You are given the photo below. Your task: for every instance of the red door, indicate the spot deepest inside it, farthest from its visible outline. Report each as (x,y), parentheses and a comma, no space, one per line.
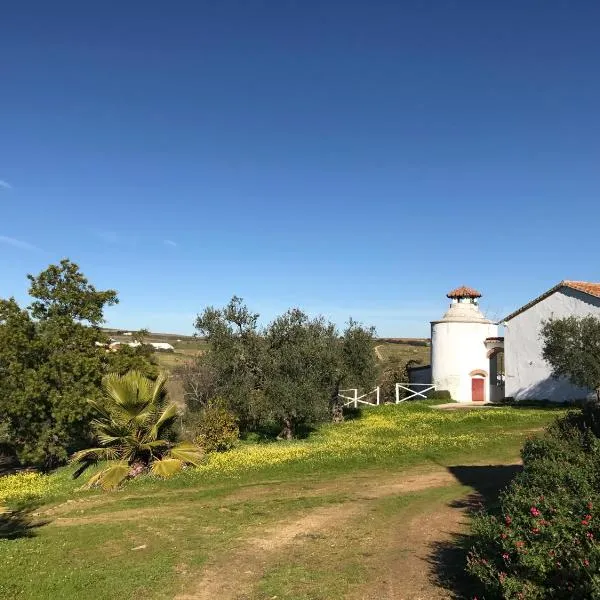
(477,389)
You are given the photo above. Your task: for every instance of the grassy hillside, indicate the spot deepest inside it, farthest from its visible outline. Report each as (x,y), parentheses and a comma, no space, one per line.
(401,351)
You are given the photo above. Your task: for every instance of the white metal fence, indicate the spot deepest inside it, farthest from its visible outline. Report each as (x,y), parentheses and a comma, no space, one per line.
(373,397)
(414,393)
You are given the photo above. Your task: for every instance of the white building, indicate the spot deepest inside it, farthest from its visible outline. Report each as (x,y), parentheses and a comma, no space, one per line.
(470,361)
(528,375)
(164,346)
(465,349)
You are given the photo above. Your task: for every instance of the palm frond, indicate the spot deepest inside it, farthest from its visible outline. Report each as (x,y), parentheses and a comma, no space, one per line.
(131,392)
(111,477)
(188,453)
(158,391)
(92,455)
(166,467)
(166,418)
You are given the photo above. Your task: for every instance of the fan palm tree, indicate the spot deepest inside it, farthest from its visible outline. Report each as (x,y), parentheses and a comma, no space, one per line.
(134,427)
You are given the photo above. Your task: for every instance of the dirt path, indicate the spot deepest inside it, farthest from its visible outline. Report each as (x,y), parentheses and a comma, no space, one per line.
(233,575)
(404,571)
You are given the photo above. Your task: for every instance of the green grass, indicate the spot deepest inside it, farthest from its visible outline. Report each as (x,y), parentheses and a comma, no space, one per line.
(86,549)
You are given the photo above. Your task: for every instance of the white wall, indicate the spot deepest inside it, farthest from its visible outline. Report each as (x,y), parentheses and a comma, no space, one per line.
(457,349)
(528,375)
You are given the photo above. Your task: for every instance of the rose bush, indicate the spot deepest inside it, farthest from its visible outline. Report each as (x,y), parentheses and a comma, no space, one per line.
(542,540)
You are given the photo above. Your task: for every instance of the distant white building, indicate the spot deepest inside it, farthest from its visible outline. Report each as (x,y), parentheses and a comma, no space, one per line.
(528,375)
(162,346)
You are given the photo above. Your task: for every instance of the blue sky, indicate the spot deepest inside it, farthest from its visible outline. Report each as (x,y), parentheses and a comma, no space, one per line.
(349,158)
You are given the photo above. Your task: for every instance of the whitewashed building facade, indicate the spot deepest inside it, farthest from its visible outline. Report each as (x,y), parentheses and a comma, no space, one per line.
(528,376)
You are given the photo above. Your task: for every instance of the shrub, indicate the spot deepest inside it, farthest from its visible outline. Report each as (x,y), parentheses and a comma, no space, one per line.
(543,538)
(440,395)
(216,429)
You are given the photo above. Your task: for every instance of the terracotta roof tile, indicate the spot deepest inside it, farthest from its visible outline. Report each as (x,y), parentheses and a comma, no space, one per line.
(463,292)
(593,289)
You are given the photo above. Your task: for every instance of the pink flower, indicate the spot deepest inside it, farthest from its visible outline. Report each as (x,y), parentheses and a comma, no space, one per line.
(586,562)
(590,506)
(589,535)
(505,556)
(534,511)
(535,530)
(507,520)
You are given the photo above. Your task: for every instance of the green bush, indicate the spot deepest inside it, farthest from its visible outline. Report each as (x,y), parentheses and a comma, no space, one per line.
(543,538)
(216,428)
(440,395)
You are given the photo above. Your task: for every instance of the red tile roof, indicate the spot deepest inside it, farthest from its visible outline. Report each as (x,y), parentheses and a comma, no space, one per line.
(593,289)
(463,292)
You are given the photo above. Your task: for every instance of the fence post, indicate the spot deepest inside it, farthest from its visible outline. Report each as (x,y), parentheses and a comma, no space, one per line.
(397,394)
(355,397)
(377,395)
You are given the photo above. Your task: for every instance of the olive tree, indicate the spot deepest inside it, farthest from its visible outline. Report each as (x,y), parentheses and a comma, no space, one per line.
(571,346)
(288,372)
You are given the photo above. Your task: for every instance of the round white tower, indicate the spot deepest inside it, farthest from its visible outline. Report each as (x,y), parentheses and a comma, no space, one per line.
(459,357)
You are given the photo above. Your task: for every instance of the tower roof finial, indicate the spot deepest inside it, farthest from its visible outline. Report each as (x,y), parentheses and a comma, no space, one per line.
(463,292)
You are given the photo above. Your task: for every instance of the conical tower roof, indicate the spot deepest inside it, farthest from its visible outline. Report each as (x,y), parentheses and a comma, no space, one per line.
(463,292)
(463,312)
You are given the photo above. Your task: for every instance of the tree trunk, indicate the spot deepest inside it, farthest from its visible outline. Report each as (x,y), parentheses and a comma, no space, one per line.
(287,433)
(337,413)
(337,410)
(598,395)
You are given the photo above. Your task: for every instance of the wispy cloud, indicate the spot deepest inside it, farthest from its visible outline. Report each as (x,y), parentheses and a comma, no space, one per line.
(4,239)
(170,243)
(5,185)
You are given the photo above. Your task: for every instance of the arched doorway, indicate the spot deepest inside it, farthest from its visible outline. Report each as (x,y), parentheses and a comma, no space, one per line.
(496,357)
(478,385)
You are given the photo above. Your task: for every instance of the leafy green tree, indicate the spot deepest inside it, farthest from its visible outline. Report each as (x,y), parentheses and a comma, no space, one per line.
(302,370)
(50,364)
(134,426)
(126,358)
(288,373)
(62,291)
(571,346)
(22,390)
(236,354)
(68,311)
(358,363)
